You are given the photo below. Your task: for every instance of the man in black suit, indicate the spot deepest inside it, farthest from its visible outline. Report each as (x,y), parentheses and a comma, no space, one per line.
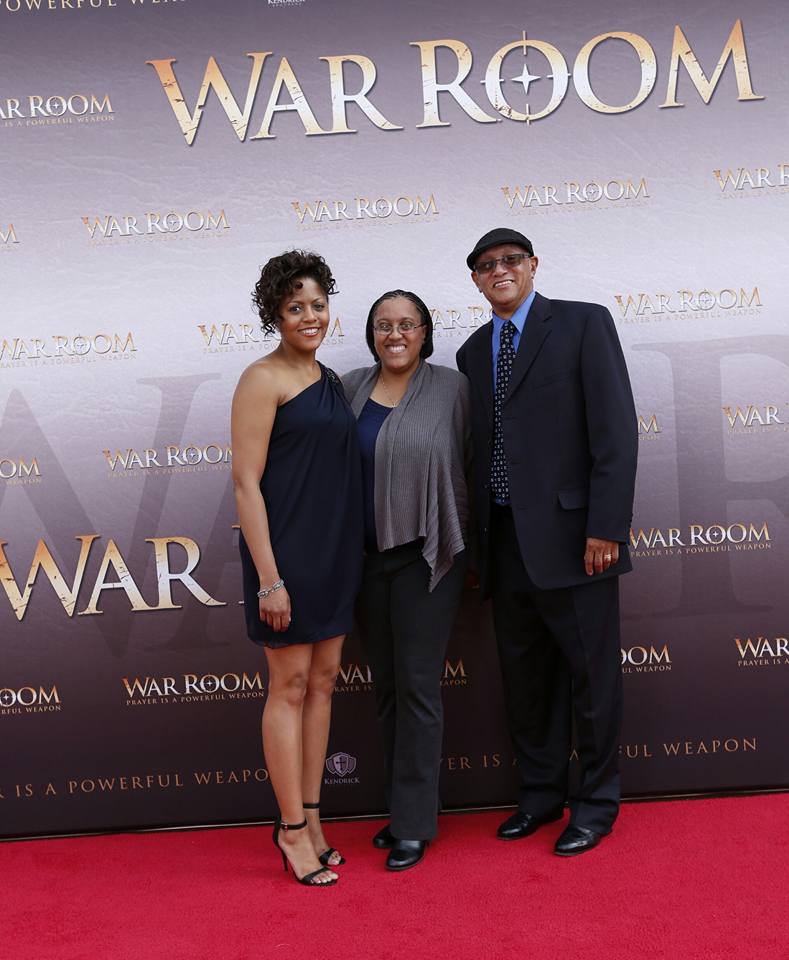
(555,444)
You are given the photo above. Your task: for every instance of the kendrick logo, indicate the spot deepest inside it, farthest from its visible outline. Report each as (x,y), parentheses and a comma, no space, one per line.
(192,458)
(16,470)
(341,764)
(61,349)
(156,225)
(235,337)
(762,651)
(43,111)
(688,304)
(16,700)
(603,193)
(364,208)
(696,538)
(458,322)
(192,688)
(752,181)
(516,102)
(646,660)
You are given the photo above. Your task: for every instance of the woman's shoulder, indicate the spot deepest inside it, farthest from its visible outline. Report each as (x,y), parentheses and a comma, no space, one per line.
(447,376)
(353,379)
(261,374)
(263,385)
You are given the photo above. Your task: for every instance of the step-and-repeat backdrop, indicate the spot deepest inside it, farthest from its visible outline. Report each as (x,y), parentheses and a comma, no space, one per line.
(156,153)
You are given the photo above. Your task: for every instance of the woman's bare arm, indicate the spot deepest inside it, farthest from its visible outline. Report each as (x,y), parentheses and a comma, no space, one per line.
(254,408)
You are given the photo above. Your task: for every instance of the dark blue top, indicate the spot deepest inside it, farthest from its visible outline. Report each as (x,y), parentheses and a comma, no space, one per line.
(312,487)
(369,423)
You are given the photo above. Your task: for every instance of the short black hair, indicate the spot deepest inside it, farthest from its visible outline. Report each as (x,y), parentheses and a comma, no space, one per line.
(424,315)
(280,276)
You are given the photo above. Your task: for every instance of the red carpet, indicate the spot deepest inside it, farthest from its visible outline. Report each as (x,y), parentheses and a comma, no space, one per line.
(678,880)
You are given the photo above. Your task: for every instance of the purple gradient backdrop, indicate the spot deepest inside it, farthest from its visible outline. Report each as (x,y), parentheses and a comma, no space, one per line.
(711,721)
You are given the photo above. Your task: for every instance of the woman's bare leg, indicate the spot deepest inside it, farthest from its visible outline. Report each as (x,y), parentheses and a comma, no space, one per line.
(283,725)
(316,717)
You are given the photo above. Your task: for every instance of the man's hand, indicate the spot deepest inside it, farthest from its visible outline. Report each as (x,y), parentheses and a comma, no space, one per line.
(600,555)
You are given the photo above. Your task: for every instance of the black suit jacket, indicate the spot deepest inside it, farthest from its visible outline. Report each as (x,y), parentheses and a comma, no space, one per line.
(570,435)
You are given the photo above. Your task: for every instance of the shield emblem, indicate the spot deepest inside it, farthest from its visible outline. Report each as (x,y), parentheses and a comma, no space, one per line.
(341,764)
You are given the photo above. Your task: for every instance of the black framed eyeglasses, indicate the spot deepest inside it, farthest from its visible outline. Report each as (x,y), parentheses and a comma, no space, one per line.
(383,329)
(511,260)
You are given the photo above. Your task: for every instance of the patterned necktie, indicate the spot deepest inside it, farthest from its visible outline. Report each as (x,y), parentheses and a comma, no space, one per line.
(499,481)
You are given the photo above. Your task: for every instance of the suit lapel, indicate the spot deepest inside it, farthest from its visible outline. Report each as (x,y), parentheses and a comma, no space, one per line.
(538,326)
(480,367)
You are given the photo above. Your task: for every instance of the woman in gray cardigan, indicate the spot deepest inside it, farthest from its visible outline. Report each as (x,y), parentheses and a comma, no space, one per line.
(413,421)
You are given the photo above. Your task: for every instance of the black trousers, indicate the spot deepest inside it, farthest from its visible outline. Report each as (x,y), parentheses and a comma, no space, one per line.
(560,659)
(405,630)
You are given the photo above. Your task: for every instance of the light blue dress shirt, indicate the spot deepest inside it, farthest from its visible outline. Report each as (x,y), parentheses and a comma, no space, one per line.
(519,319)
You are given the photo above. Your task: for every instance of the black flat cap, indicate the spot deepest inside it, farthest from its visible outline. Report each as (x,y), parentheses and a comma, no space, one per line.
(495,238)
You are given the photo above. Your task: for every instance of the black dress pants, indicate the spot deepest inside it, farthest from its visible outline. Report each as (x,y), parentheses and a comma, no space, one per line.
(560,658)
(404,631)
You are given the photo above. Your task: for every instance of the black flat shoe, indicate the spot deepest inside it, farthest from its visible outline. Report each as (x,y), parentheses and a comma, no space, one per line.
(383,840)
(521,824)
(575,840)
(405,854)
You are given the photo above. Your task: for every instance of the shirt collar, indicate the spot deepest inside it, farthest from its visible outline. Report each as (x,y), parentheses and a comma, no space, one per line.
(519,317)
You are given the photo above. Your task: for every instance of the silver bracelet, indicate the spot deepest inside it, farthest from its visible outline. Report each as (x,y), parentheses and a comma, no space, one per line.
(269,590)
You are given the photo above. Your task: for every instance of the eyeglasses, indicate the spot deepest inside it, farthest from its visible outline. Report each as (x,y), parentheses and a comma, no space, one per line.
(511,260)
(406,326)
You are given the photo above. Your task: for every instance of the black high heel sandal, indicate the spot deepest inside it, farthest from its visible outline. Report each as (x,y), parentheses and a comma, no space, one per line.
(325,857)
(309,879)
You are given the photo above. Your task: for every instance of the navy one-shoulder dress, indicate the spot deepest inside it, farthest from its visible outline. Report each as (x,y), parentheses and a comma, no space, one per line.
(312,487)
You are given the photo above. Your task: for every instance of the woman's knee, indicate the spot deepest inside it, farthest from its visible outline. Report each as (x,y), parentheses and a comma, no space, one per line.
(322,680)
(290,688)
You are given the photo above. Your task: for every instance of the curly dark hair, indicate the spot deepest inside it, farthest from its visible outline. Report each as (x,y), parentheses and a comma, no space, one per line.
(424,316)
(280,276)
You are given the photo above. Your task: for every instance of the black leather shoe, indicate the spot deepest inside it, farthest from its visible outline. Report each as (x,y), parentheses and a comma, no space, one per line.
(405,854)
(521,824)
(383,839)
(575,840)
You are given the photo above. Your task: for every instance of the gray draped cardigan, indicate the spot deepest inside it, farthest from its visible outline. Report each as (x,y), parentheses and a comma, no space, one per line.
(422,455)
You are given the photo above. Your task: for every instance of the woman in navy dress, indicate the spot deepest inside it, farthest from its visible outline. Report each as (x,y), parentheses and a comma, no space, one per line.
(297,477)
